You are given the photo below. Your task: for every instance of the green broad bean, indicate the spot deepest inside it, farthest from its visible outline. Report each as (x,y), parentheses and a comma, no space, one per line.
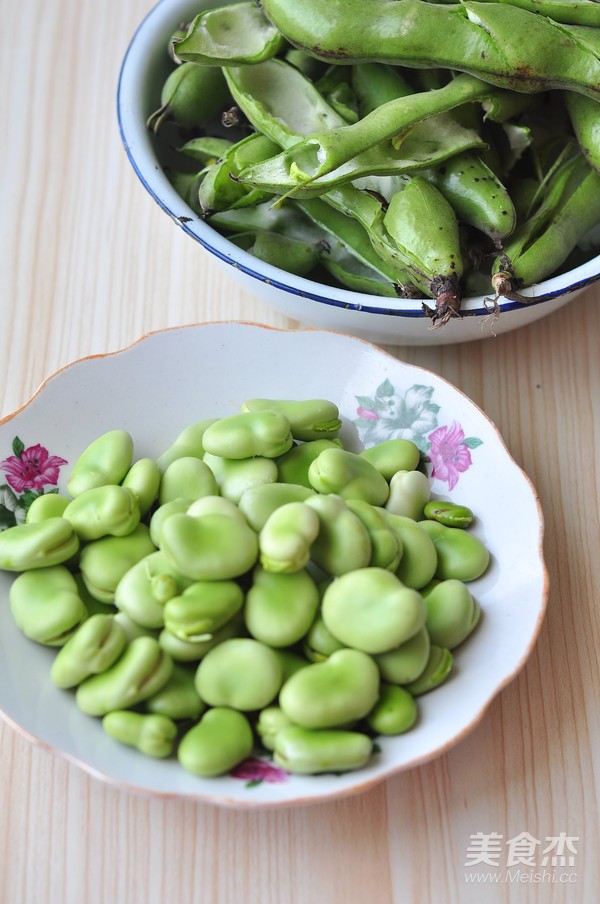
(145,588)
(369,609)
(152,734)
(409,493)
(460,555)
(408,661)
(259,502)
(293,466)
(211,548)
(250,433)
(105,561)
(143,478)
(215,505)
(236,33)
(270,722)
(103,511)
(190,95)
(452,613)
(285,540)
(438,668)
(241,674)
(218,742)
(319,642)
(94,647)
(50,505)
(349,476)
(140,672)
(178,699)
(393,455)
(193,651)
(332,693)
(343,542)
(310,419)
(394,713)
(308,752)
(235,476)
(280,608)
(105,461)
(187,478)
(419,556)
(448,513)
(46,605)
(386,550)
(164,511)
(39,544)
(188,444)
(202,609)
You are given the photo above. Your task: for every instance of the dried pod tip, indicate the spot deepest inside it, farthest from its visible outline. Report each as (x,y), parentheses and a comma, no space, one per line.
(505,285)
(448,299)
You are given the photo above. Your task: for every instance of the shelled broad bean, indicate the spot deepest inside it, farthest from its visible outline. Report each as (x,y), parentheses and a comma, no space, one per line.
(301,612)
(412,149)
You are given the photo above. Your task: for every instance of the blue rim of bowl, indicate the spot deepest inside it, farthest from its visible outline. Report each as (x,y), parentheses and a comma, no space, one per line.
(481,311)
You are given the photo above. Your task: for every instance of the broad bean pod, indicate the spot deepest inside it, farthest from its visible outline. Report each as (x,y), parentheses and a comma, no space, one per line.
(499,43)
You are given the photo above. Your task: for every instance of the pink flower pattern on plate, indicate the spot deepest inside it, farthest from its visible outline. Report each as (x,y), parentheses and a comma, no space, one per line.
(413,413)
(254,771)
(448,453)
(33,469)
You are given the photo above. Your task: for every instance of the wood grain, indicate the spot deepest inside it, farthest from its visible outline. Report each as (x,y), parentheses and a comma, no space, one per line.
(89,264)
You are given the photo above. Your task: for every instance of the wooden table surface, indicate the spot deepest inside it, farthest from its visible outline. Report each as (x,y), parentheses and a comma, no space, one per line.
(89,264)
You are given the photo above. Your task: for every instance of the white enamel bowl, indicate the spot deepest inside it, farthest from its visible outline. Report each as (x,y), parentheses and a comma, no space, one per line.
(382,320)
(172,378)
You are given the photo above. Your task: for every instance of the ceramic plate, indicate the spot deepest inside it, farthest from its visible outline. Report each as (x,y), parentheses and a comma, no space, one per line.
(172,378)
